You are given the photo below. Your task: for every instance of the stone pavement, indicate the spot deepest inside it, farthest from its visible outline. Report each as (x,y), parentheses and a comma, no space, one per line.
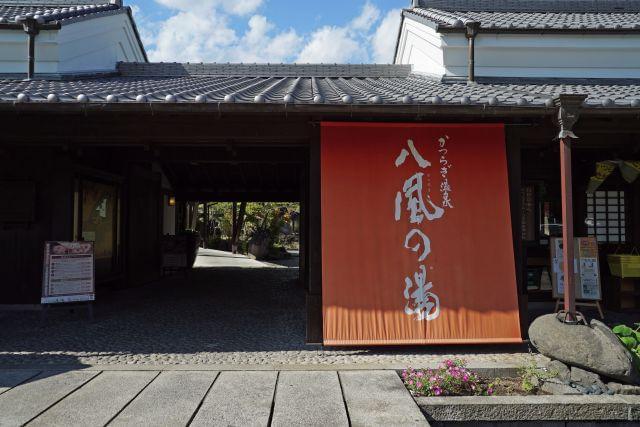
(202,398)
(230,313)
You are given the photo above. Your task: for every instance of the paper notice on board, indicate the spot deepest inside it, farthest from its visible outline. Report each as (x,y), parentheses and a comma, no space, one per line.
(69,272)
(589,278)
(560,279)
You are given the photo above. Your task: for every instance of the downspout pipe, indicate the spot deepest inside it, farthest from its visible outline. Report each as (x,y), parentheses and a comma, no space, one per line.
(472,29)
(31,27)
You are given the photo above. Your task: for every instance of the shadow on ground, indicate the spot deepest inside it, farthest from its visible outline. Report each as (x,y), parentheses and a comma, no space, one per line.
(219,314)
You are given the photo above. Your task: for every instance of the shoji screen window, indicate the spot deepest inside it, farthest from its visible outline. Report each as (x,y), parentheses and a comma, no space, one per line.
(606,216)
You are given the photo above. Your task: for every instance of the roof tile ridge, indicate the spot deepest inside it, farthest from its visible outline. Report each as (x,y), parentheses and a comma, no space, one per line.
(456,19)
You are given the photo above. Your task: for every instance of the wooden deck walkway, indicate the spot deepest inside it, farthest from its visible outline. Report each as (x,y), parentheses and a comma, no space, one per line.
(205,398)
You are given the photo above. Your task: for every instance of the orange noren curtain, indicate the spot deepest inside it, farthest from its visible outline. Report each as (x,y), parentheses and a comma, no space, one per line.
(416,235)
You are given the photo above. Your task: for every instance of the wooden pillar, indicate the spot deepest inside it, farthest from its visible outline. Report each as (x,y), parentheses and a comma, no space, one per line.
(568,114)
(567,226)
(314,246)
(514,166)
(234,227)
(303,229)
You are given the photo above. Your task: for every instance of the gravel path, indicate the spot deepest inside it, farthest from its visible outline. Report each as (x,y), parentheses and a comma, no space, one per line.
(222,316)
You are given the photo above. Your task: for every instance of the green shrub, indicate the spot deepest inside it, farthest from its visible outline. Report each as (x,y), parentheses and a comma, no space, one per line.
(631,339)
(533,376)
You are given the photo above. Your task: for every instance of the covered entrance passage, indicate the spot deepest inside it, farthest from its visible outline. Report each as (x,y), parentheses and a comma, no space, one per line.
(130,188)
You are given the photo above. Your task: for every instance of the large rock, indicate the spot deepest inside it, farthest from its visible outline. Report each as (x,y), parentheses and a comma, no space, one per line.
(561,370)
(558,387)
(594,347)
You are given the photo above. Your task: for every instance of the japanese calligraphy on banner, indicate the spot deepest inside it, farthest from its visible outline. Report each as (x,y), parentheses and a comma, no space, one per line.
(417,243)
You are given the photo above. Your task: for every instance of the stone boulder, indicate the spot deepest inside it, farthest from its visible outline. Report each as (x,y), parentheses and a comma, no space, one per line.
(594,347)
(562,371)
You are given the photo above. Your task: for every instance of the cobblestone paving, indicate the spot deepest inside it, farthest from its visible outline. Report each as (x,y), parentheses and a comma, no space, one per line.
(221,316)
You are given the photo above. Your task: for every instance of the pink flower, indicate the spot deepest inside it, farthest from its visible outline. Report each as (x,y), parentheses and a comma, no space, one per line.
(489,391)
(419,384)
(465,377)
(437,391)
(410,382)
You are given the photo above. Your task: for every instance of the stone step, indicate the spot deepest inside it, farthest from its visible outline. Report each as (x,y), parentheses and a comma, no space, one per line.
(96,403)
(27,401)
(170,400)
(378,398)
(239,399)
(11,378)
(309,398)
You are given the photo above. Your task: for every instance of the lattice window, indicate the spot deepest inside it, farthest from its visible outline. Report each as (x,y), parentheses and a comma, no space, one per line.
(606,216)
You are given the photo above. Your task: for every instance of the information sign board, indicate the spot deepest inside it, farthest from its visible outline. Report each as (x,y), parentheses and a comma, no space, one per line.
(586,267)
(69,272)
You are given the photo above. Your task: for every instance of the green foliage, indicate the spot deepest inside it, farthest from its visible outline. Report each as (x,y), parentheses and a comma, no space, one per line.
(263,220)
(631,339)
(533,376)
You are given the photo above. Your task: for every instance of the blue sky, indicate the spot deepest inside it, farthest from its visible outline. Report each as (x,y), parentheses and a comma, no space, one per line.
(269,30)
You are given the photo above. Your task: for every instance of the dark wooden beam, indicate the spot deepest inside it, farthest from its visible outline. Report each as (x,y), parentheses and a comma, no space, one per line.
(514,165)
(239,196)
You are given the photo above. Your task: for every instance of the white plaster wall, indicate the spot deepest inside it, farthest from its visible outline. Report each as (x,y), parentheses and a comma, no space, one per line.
(86,46)
(520,55)
(111,39)
(421,46)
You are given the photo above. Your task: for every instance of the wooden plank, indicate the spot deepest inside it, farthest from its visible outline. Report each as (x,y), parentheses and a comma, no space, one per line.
(97,402)
(11,378)
(378,398)
(170,400)
(309,398)
(23,403)
(239,399)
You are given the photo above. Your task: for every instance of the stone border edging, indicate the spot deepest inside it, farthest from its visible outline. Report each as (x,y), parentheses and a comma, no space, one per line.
(488,370)
(531,408)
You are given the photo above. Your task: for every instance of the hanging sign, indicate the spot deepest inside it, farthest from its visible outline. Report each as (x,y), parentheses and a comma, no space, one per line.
(417,243)
(586,269)
(69,272)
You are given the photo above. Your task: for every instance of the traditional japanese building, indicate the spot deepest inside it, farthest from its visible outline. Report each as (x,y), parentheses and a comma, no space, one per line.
(431,189)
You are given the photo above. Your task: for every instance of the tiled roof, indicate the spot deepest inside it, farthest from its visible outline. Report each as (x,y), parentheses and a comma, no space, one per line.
(576,6)
(532,15)
(312,85)
(55,12)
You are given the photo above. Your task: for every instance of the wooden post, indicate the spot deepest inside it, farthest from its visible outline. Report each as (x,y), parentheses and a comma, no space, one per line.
(568,114)
(234,227)
(514,167)
(567,227)
(206,225)
(314,246)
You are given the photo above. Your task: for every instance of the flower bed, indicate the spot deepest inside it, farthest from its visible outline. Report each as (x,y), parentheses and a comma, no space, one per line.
(452,394)
(453,378)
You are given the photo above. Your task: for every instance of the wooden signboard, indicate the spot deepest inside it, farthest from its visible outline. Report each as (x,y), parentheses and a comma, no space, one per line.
(586,267)
(69,272)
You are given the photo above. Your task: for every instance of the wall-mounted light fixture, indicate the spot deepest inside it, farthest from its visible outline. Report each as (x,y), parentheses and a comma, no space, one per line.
(172,200)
